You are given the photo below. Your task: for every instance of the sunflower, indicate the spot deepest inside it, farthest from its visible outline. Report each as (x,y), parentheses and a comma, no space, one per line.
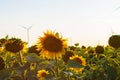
(52,45)
(114,41)
(33,49)
(3,41)
(99,49)
(80,60)
(41,74)
(67,55)
(14,45)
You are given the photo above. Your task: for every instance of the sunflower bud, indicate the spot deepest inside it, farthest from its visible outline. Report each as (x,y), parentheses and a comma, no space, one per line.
(114,41)
(99,49)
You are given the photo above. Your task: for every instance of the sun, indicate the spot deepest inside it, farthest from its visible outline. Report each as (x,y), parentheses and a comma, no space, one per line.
(52,45)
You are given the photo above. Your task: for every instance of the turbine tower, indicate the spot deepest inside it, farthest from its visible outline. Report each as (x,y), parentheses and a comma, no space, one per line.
(27,30)
(112,32)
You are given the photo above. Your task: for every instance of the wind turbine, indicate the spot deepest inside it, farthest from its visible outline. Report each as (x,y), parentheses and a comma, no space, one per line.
(27,29)
(116,9)
(112,32)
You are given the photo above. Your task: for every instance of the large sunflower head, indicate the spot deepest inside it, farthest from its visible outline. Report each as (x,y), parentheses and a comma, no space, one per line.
(52,45)
(14,45)
(42,74)
(80,60)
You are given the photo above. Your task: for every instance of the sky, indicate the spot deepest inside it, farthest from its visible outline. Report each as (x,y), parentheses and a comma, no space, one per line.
(87,22)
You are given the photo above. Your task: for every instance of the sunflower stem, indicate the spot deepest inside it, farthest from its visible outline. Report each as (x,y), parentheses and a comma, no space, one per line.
(20,58)
(57,68)
(68,78)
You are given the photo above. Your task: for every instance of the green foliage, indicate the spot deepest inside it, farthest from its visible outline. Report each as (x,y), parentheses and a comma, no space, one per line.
(112,72)
(32,57)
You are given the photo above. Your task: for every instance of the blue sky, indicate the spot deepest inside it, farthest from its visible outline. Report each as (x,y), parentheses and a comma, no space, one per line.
(88,22)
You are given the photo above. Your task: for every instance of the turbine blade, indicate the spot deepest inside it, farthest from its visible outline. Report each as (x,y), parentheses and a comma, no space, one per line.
(30,27)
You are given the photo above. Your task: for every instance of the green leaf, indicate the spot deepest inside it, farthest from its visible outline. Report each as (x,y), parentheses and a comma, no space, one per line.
(5,74)
(74,64)
(32,57)
(112,72)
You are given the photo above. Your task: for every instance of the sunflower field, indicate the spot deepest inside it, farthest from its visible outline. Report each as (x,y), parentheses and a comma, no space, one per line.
(51,58)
